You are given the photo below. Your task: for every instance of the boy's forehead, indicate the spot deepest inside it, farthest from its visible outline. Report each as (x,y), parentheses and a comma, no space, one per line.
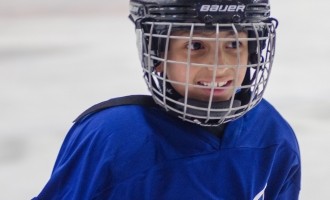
(207,32)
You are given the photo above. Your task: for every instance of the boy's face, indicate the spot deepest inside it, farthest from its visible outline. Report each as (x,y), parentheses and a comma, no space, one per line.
(230,57)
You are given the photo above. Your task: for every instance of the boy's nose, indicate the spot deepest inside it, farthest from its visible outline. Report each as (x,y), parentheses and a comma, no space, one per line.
(217,69)
(216,60)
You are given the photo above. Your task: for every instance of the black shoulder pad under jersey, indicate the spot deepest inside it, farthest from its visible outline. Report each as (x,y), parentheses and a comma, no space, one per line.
(144,100)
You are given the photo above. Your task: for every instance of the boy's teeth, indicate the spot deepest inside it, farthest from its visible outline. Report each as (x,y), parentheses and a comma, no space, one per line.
(220,84)
(216,84)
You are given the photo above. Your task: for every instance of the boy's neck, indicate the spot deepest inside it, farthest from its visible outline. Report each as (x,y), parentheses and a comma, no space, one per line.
(217,130)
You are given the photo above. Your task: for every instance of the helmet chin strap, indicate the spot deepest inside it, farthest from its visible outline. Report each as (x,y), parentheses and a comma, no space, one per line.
(203,105)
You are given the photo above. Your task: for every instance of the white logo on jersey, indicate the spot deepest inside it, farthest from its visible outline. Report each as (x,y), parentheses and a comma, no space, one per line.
(222,8)
(261,194)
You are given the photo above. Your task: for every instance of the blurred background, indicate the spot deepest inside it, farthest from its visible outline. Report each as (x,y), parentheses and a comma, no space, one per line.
(57,58)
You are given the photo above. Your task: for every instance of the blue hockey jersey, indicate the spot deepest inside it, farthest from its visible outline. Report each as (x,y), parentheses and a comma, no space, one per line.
(143,153)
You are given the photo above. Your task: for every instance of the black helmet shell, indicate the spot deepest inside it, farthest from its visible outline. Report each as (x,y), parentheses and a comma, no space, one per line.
(201,11)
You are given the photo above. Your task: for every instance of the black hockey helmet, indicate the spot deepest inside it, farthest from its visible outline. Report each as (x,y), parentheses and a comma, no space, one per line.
(201,11)
(156,20)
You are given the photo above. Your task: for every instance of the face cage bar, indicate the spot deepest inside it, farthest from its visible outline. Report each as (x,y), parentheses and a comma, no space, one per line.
(210,115)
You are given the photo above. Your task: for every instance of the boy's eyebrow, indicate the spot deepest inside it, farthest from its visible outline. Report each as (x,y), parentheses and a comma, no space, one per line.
(233,33)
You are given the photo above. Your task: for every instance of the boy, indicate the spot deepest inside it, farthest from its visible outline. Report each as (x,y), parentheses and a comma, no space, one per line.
(206,133)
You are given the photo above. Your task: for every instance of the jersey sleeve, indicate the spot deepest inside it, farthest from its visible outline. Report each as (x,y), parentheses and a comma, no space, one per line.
(291,189)
(82,165)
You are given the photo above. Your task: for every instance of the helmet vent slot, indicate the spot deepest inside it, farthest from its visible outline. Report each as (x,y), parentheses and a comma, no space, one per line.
(171,11)
(257,11)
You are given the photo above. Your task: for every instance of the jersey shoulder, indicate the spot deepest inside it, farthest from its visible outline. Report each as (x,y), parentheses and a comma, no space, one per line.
(264,126)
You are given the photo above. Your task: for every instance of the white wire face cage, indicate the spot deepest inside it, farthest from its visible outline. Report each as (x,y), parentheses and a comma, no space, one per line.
(200,80)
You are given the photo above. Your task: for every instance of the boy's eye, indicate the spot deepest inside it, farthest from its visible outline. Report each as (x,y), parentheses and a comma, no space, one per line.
(234,45)
(194,46)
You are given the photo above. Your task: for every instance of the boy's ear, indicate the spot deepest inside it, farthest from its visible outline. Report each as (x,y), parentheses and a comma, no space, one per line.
(160,67)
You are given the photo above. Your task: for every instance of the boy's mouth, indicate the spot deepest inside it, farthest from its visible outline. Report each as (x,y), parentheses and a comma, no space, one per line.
(215,84)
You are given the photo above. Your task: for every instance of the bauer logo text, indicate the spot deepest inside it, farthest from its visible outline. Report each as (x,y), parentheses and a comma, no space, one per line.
(222,8)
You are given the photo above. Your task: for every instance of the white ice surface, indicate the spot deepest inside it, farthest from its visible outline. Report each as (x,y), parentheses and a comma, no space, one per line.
(58,58)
